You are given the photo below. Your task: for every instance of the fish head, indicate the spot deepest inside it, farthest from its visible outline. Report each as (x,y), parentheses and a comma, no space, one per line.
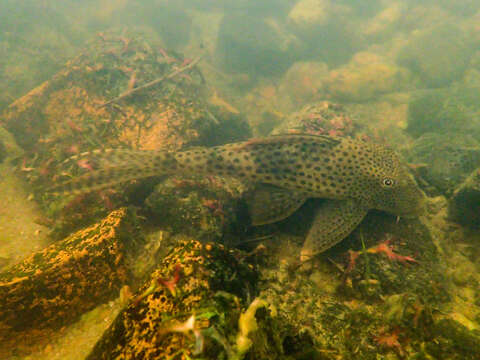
(393,187)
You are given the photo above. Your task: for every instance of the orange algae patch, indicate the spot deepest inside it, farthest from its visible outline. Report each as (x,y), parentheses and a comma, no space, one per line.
(72,103)
(167,126)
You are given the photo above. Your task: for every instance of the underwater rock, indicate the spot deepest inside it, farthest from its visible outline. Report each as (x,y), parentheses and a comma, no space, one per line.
(453,341)
(320,26)
(303,81)
(446,111)
(464,207)
(266,105)
(52,287)
(321,118)
(429,112)
(72,112)
(400,254)
(444,161)
(81,109)
(255,46)
(231,124)
(364,78)
(195,305)
(383,24)
(308,13)
(206,208)
(438,55)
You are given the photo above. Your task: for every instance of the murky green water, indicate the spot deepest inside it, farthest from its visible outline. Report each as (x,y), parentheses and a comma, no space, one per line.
(166,249)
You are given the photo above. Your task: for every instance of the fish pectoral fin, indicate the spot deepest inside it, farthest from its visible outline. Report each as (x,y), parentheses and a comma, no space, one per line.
(268,203)
(334,220)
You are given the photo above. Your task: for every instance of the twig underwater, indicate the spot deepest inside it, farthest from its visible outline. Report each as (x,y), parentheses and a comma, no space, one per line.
(151,83)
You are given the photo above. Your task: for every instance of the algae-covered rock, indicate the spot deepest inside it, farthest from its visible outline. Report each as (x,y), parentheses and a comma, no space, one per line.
(399,256)
(195,306)
(386,21)
(308,13)
(70,105)
(427,113)
(438,55)
(249,44)
(444,161)
(321,118)
(453,110)
(266,105)
(320,26)
(205,208)
(454,341)
(83,108)
(465,203)
(366,76)
(72,112)
(52,287)
(303,81)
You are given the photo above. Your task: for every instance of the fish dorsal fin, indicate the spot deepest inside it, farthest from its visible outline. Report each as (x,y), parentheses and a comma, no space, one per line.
(292,139)
(318,137)
(268,203)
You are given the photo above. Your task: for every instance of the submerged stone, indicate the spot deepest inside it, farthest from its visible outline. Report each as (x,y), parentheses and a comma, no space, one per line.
(445,111)
(444,161)
(207,209)
(247,44)
(320,118)
(465,203)
(438,55)
(51,288)
(203,311)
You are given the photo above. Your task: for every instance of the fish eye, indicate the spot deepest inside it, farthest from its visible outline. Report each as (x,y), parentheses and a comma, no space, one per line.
(387,182)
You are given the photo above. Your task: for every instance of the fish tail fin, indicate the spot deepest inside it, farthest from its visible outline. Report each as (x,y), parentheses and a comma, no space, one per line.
(101,169)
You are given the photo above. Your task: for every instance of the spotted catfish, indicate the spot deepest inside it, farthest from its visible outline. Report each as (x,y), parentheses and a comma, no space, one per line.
(285,170)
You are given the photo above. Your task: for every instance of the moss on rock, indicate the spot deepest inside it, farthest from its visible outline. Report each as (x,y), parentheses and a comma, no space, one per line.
(197,314)
(52,287)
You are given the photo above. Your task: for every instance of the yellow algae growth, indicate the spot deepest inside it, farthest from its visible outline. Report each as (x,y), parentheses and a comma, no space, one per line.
(71,277)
